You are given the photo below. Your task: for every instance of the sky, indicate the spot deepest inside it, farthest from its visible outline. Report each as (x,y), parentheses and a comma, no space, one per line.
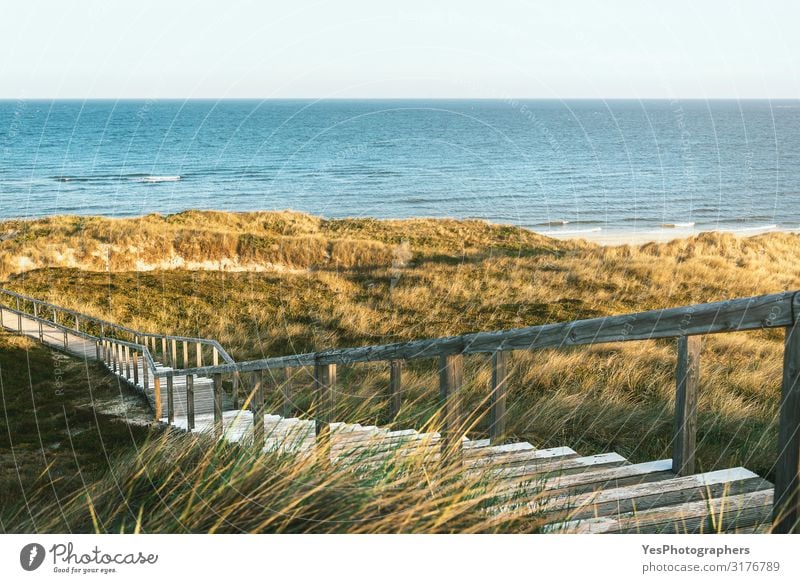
(407,48)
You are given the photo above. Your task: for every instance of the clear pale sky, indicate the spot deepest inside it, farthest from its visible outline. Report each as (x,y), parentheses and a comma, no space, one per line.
(406,48)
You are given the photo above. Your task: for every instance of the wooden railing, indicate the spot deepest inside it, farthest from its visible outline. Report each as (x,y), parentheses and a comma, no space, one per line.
(195,351)
(686,324)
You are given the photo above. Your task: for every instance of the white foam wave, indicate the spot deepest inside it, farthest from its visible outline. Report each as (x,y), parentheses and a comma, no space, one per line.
(677,225)
(157,179)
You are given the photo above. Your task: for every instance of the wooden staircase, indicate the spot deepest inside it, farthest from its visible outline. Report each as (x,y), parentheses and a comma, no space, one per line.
(565,492)
(602,493)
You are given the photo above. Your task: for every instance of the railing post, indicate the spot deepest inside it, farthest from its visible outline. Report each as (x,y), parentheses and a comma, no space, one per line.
(395,387)
(451,377)
(135,368)
(145,373)
(218,405)
(257,381)
(185,354)
(215,356)
(128,373)
(687,375)
(497,427)
(164,350)
(174,355)
(77,323)
(170,400)
(786,512)
(98,350)
(325,383)
(286,394)
(157,397)
(189,402)
(235,390)
(199,354)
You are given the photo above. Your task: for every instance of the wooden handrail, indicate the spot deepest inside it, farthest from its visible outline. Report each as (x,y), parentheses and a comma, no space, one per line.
(769,311)
(105,324)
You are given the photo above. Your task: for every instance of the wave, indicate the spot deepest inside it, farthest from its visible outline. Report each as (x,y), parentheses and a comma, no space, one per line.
(105,178)
(154,179)
(677,225)
(556,223)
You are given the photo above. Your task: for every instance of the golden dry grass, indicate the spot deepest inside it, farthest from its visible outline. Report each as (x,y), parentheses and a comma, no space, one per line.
(280,283)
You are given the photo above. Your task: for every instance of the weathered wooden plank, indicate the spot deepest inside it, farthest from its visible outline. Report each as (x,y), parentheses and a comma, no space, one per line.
(786,515)
(510,455)
(217,405)
(395,387)
(649,495)
(608,478)
(190,402)
(325,383)
(135,367)
(157,397)
(729,316)
(145,373)
(257,390)
(562,465)
(235,389)
(687,380)
(185,362)
(739,511)
(499,393)
(170,401)
(286,394)
(451,379)
(198,354)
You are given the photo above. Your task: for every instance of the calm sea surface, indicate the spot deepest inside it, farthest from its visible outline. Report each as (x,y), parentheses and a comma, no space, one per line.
(573,166)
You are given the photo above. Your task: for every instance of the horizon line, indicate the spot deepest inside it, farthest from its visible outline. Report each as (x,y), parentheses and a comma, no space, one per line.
(444,98)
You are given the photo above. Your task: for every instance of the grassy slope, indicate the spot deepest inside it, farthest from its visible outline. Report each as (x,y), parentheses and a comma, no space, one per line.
(350,282)
(63,422)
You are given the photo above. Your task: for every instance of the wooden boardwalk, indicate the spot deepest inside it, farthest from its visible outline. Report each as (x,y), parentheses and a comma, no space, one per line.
(566,491)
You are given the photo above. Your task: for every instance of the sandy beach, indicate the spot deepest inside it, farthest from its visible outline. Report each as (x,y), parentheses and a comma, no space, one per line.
(633,237)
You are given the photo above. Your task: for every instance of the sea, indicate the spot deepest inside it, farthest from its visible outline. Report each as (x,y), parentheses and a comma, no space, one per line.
(563,167)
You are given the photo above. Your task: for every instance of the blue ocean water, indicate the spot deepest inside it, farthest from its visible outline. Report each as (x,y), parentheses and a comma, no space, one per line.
(548,165)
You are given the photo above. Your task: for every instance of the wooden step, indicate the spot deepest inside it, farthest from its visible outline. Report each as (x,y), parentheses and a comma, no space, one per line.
(511,455)
(639,497)
(747,512)
(590,480)
(537,469)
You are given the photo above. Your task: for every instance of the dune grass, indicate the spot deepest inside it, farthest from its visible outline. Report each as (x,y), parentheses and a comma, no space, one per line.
(266,284)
